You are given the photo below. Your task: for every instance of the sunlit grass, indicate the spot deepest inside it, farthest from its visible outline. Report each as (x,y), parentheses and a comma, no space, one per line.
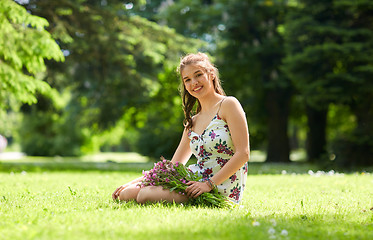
(118,157)
(77,205)
(100,161)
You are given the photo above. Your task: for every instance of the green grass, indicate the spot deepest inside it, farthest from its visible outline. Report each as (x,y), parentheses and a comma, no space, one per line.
(102,162)
(42,203)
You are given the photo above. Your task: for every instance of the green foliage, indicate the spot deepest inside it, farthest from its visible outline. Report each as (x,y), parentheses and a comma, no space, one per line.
(24,44)
(10,122)
(46,130)
(194,18)
(162,127)
(113,58)
(120,60)
(329,45)
(341,122)
(329,48)
(250,55)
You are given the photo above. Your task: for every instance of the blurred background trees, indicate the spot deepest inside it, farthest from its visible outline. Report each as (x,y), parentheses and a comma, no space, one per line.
(24,46)
(113,58)
(329,44)
(301,69)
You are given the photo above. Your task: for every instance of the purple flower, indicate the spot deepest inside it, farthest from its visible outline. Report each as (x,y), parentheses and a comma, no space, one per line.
(212,135)
(175,176)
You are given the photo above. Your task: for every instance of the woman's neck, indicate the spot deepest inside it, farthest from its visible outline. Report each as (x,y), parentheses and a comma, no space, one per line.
(209,102)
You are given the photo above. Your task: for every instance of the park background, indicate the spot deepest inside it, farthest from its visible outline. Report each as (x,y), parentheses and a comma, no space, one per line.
(80,77)
(89,92)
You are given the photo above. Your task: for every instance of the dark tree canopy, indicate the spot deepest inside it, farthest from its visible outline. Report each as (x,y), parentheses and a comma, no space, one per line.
(330,44)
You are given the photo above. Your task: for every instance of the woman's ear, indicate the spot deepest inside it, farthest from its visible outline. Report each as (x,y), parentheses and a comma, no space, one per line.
(212,77)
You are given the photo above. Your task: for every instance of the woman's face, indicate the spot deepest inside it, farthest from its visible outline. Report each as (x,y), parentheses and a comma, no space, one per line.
(197,81)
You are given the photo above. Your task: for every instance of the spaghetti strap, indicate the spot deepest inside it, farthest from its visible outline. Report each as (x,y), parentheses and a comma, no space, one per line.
(221,101)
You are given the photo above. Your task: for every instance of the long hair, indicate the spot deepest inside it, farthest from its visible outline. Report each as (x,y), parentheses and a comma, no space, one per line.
(201,60)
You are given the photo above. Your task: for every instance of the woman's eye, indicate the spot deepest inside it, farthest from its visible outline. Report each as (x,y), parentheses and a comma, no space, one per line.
(198,75)
(186,80)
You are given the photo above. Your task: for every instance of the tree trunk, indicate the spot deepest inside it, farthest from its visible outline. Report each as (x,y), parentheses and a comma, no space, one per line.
(356,150)
(316,135)
(362,144)
(277,104)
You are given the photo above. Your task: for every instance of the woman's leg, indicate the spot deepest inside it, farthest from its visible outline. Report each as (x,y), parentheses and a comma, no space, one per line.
(120,189)
(129,193)
(157,193)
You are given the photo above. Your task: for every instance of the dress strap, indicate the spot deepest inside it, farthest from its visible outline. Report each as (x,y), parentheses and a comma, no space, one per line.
(221,101)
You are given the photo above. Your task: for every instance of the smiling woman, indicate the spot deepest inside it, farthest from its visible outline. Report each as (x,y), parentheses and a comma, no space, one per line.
(203,68)
(217,135)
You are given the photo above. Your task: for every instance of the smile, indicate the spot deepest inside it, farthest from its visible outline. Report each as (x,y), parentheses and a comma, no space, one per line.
(197,89)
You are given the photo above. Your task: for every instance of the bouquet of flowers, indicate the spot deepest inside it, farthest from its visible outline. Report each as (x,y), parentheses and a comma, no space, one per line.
(175,176)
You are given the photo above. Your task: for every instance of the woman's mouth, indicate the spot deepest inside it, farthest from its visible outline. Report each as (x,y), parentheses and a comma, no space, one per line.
(197,89)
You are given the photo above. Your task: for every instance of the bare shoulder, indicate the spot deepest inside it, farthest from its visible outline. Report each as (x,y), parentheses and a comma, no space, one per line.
(231,101)
(230,106)
(235,117)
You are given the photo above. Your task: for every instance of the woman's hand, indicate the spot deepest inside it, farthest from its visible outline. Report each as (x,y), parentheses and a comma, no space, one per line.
(116,193)
(197,188)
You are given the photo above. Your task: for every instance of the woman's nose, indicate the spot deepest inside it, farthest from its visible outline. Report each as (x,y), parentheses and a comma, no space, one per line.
(194,81)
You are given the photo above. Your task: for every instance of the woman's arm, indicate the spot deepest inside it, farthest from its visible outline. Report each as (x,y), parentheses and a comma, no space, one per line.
(232,112)
(183,151)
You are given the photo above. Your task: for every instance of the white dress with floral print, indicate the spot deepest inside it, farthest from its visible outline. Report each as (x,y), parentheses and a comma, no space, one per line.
(213,149)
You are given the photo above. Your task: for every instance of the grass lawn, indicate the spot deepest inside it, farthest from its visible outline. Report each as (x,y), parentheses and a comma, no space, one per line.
(42,203)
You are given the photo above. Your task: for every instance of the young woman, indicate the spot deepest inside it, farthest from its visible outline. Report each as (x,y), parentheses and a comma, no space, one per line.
(217,135)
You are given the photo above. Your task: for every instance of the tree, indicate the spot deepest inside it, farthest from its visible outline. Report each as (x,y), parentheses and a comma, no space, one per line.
(329,44)
(24,44)
(161,130)
(357,65)
(251,56)
(113,58)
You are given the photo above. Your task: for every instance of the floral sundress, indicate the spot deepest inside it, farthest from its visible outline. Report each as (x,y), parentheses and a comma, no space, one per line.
(213,149)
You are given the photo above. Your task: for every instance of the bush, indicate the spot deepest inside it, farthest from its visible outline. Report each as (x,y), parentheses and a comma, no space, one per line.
(353,151)
(47,131)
